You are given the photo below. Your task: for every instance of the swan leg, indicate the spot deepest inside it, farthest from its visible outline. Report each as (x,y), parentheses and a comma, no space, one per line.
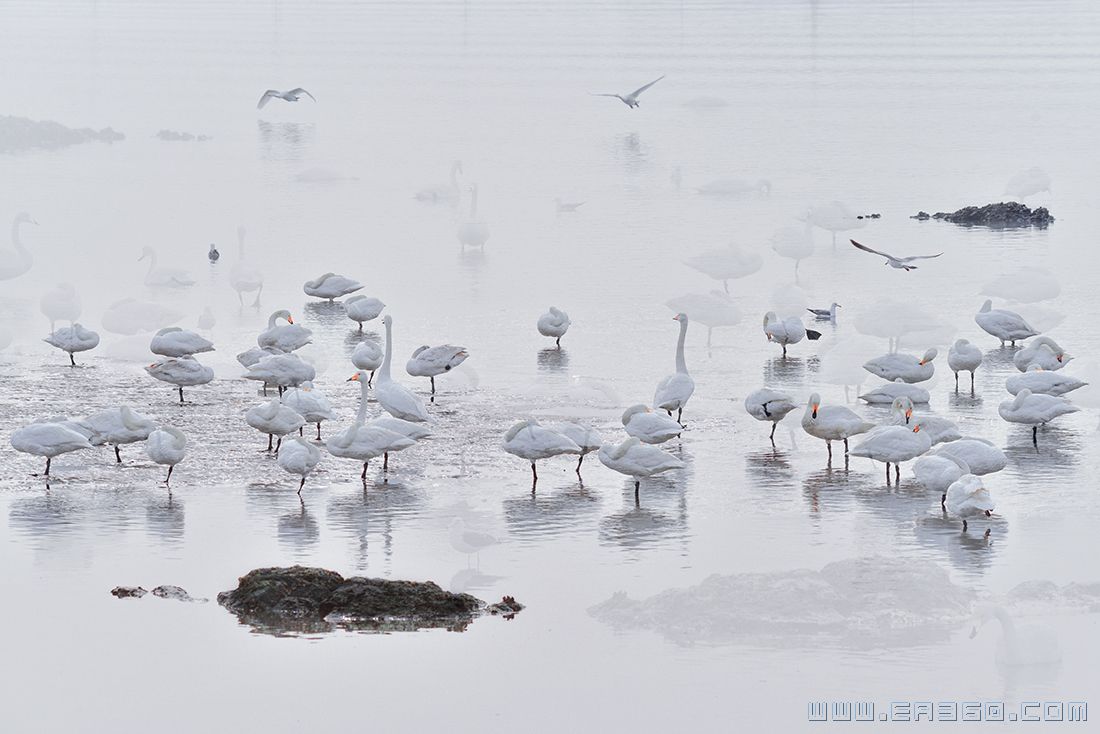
(256,303)
(168,478)
(118,456)
(386,461)
(1035,436)
(301,484)
(48,460)
(829,445)
(240,298)
(964,526)
(784,351)
(845,445)
(957,381)
(680,417)
(72,360)
(433,384)
(318,430)
(637,484)
(278,445)
(370,379)
(269,438)
(364,474)
(181,394)
(726,286)
(579,462)
(897,474)
(971,380)
(557,342)
(772,436)
(300,429)
(887,474)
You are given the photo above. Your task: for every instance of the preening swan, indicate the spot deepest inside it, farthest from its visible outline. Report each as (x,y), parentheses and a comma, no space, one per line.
(528,440)
(15,264)
(649,427)
(176,342)
(938,470)
(244,277)
(274,419)
(899,388)
(937,429)
(554,323)
(299,457)
(166,446)
(904,367)
(364,441)
(637,460)
(674,391)
(181,371)
(1042,352)
(445,193)
(788,331)
(964,357)
(48,440)
(832,423)
(281,371)
(1034,410)
(968,497)
(981,456)
(163,277)
(285,337)
(73,339)
(631,99)
(363,308)
(117,427)
(61,304)
(588,439)
(397,400)
(1008,326)
(1043,382)
(331,286)
(431,361)
(310,403)
(473,232)
(893,445)
(770,406)
(251,356)
(291,95)
(367,356)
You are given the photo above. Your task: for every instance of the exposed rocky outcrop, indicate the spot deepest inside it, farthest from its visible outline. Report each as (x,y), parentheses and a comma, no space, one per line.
(167,591)
(19,134)
(128,592)
(301,599)
(1001,216)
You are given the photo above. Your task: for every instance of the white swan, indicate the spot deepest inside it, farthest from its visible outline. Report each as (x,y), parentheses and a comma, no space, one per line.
(1020,645)
(408,429)
(291,95)
(938,470)
(274,419)
(364,441)
(285,337)
(968,497)
(310,403)
(431,361)
(176,342)
(770,406)
(19,262)
(832,423)
(979,454)
(796,243)
(712,310)
(554,323)
(164,277)
(893,445)
(363,308)
(117,427)
(61,304)
(1043,382)
(367,356)
(244,277)
(49,440)
(166,446)
(73,339)
(251,356)
(964,357)
(474,232)
(588,439)
(1044,352)
(904,367)
(530,441)
(649,427)
(444,193)
(1008,326)
(181,372)
(726,264)
(937,429)
(396,399)
(282,371)
(788,331)
(299,457)
(886,394)
(674,391)
(130,316)
(637,460)
(331,286)
(1034,410)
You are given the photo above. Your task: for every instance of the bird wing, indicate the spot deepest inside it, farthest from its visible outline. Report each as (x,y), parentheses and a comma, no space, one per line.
(865,248)
(639,90)
(605,94)
(267,96)
(918,257)
(299,90)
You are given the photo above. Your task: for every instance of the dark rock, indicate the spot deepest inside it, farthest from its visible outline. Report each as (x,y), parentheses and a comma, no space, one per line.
(129,592)
(1000,216)
(19,134)
(300,599)
(868,216)
(506,607)
(167,591)
(921,215)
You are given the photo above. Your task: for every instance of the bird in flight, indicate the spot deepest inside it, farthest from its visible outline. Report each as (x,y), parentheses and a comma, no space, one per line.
(901,263)
(292,96)
(630,100)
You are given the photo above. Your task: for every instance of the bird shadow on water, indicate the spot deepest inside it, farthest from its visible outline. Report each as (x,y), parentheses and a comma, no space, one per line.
(284,141)
(658,515)
(298,531)
(326,313)
(967,550)
(785,371)
(553,359)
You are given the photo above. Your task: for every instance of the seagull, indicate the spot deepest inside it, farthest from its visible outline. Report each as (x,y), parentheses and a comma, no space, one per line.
(825,314)
(630,100)
(901,263)
(292,96)
(213,255)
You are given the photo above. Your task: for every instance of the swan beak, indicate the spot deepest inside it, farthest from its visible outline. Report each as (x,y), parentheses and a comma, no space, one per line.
(290,319)
(815,410)
(908,414)
(354,378)
(916,428)
(1059,357)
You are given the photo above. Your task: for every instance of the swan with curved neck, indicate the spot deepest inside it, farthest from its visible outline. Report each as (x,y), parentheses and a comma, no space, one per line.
(365,442)
(674,391)
(158,277)
(20,262)
(396,399)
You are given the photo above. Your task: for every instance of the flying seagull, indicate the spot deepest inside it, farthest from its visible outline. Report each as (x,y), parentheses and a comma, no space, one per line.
(630,100)
(901,263)
(292,96)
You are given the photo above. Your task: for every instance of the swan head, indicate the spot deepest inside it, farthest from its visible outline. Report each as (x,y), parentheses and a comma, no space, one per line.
(632,411)
(387,320)
(681,317)
(929,356)
(904,406)
(146,252)
(282,314)
(813,404)
(359,376)
(24,218)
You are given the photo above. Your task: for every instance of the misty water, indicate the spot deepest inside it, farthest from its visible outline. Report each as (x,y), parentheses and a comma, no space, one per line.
(890,108)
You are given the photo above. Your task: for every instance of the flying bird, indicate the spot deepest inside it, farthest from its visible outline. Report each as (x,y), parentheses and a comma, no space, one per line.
(630,100)
(901,263)
(292,96)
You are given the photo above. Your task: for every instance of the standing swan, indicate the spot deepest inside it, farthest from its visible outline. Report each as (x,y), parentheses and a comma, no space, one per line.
(299,457)
(554,323)
(72,339)
(12,266)
(1008,326)
(243,276)
(48,440)
(397,400)
(61,304)
(166,446)
(362,441)
(449,192)
(964,357)
(431,361)
(674,391)
(832,423)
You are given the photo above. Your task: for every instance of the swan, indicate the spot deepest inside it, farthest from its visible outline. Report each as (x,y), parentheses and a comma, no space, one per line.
(938,430)
(1019,645)
(181,371)
(769,405)
(310,403)
(788,331)
(367,356)
(365,441)
(49,440)
(396,399)
(674,391)
(249,357)
(449,192)
(981,456)
(206,320)
(968,497)
(176,342)
(649,427)
(244,277)
(1042,351)
(473,232)
(825,314)
(893,445)
(795,243)
(528,440)
(1008,326)
(408,429)
(331,286)
(631,99)
(166,446)
(726,264)
(73,339)
(637,460)
(274,419)
(292,95)
(363,308)
(467,541)
(431,361)
(163,277)
(1043,382)
(300,457)
(938,470)
(12,266)
(832,423)
(286,337)
(1028,183)
(712,310)
(282,371)
(588,439)
(834,217)
(886,394)
(117,427)
(1034,410)
(904,367)
(554,323)
(130,316)
(61,304)
(213,255)
(899,263)
(964,357)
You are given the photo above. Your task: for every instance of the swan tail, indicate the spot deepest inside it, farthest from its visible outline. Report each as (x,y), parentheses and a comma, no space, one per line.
(813,335)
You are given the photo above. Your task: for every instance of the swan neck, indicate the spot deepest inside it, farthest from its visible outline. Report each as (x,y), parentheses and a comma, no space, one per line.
(681,365)
(361,416)
(384,372)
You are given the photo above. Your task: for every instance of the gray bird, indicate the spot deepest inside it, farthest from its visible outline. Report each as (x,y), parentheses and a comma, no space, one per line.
(292,96)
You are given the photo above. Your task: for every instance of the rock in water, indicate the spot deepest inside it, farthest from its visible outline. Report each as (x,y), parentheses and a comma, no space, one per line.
(129,592)
(1000,216)
(301,599)
(18,134)
(506,607)
(167,591)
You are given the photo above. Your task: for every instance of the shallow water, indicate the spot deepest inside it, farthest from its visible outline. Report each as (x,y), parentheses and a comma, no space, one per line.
(891,108)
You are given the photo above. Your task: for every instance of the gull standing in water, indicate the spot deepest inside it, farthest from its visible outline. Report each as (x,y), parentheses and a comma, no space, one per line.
(900,263)
(292,95)
(825,314)
(630,100)
(674,391)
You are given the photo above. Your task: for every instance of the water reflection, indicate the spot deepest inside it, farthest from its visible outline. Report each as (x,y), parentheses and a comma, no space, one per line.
(971,550)
(657,516)
(284,141)
(298,531)
(326,313)
(553,360)
(783,371)
(374,507)
(551,512)
(769,469)
(164,517)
